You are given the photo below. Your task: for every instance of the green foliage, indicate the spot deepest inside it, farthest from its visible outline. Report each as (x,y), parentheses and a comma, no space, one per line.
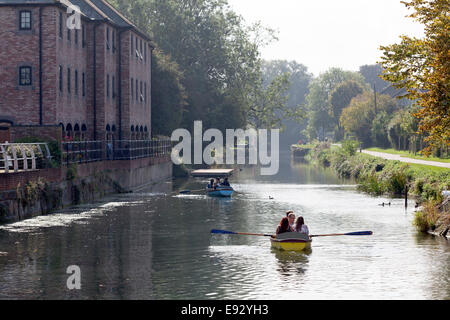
(422,68)
(168,95)
(378,130)
(299,79)
(269,105)
(358,117)
(218,55)
(378,176)
(426,218)
(350,147)
(71,173)
(53,146)
(318,101)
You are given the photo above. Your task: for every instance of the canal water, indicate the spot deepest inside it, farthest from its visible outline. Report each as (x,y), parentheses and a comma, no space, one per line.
(156,244)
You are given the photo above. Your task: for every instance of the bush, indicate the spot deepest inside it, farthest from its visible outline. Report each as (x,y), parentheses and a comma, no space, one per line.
(426,218)
(350,147)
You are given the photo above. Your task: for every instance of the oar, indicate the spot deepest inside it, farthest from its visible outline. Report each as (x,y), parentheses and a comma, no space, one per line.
(241,233)
(359,233)
(189,191)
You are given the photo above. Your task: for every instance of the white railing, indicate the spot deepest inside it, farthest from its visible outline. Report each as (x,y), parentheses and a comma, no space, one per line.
(23,156)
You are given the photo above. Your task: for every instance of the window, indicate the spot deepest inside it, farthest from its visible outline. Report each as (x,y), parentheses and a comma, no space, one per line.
(141,50)
(25,20)
(137,46)
(145,52)
(131,45)
(113,36)
(145,92)
(68,80)
(142,96)
(25,76)
(83,36)
(61,25)
(68,34)
(83,80)
(137,90)
(132,89)
(76,36)
(107,85)
(60,78)
(107,38)
(76,82)
(113,87)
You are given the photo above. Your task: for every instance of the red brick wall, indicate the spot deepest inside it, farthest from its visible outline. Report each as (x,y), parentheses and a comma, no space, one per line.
(19,48)
(140,69)
(72,108)
(4,135)
(21,104)
(52,133)
(10,181)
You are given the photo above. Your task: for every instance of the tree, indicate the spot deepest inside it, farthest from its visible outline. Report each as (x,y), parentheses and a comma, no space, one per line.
(422,67)
(299,79)
(269,104)
(340,98)
(318,100)
(216,52)
(371,74)
(379,129)
(358,117)
(168,94)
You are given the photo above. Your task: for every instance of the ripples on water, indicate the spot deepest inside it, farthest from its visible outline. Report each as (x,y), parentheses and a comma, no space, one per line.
(157,245)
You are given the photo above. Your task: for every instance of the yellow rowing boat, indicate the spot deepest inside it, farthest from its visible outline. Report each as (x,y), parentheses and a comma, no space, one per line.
(291,241)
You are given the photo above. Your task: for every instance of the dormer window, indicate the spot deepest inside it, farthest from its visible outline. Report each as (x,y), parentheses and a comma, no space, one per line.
(25,20)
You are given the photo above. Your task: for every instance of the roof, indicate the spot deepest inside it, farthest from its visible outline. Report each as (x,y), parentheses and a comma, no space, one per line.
(92,9)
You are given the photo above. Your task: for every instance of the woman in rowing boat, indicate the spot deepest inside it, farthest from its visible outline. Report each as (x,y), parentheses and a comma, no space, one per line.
(301,227)
(291,217)
(284,226)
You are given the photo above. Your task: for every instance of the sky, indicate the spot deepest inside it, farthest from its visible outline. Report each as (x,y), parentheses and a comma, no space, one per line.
(329,33)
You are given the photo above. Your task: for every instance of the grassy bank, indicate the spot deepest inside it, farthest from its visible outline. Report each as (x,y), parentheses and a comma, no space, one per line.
(378,176)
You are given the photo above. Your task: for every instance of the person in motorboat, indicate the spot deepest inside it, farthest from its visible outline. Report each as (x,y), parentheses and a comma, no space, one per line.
(225,183)
(284,226)
(211,184)
(217,184)
(301,227)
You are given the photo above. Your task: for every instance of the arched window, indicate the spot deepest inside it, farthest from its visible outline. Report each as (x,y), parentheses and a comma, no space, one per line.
(76,130)
(63,132)
(69,132)
(83,132)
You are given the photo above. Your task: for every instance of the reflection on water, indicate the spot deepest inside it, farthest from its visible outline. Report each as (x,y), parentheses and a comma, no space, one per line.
(156,244)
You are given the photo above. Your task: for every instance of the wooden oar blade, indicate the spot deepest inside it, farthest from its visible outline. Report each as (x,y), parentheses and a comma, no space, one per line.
(222,232)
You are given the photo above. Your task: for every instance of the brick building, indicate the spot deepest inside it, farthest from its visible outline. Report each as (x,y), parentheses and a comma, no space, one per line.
(94,81)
